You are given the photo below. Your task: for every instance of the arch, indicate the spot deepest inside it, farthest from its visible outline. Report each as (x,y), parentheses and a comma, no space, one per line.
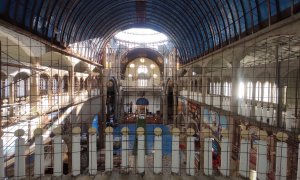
(56,60)
(21,82)
(65,83)
(142,101)
(44,84)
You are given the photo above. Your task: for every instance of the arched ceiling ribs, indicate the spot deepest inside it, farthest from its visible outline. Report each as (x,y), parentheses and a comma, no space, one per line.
(195,27)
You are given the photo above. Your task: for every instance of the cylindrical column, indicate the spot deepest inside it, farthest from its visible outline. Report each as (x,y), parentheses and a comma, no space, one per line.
(58,157)
(125,149)
(208,166)
(76,151)
(244,154)
(262,162)
(175,151)
(190,154)
(225,153)
(2,175)
(109,149)
(298,171)
(157,150)
(281,156)
(19,166)
(93,151)
(39,165)
(140,150)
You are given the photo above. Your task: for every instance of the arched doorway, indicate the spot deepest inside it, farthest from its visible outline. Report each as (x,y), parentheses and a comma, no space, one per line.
(142,106)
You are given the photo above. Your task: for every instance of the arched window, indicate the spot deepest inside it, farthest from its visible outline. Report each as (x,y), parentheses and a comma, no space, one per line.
(249,90)
(258,90)
(225,89)
(4,88)
(43,84)
(142,69)
(266,92)
(21,88)
(55,85)
(196,86)
(241,92)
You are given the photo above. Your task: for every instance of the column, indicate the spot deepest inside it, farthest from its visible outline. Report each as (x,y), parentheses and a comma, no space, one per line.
(165,108)
(71,83)
(125,149)
(190,154)
(19,165)
(298,170)
(140,150)
(208,165)
(281,156)
(175,151)
(11,99)
(262,162)
(39,165)
(76,151)
(35,86)
(244,168)
(2,175)
(157,150)
(175,100)
(58,156)
(225,153)
(109,149)
(92,151)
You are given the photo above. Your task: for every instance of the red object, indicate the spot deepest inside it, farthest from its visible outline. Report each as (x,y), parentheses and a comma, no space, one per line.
(181,146)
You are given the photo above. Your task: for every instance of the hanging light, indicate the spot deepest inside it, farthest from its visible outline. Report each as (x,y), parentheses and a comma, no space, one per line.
(142,60)
(131,65)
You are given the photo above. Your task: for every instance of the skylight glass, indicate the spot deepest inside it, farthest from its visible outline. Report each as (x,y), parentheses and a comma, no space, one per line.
(141,35)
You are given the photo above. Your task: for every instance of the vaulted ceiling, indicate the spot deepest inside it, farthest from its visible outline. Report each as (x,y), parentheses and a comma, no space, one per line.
(196,27)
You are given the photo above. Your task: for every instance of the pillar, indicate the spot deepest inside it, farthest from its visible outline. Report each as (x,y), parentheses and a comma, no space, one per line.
(157,150)
(208,165)
(109,149)
(190,148)
(93,151)
(225,153)
(39,165)
(2,175)
(298,170)
(281,156)
(125,149)
(35,86)
(262,162)
(58,156)
(19,165)
(244,166)
(71,83)
(76,151)
(140,150)
(165,107)
(175,151)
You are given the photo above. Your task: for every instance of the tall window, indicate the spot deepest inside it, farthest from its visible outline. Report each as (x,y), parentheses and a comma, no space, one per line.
(142,82)
(266,92)
(249,90)
(21,88)
(258,89)
(43,85)
(241,92)
(55,85)
(4,88)
(142,69)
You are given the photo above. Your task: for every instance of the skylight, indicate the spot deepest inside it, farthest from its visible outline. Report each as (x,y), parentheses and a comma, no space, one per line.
(141,35)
